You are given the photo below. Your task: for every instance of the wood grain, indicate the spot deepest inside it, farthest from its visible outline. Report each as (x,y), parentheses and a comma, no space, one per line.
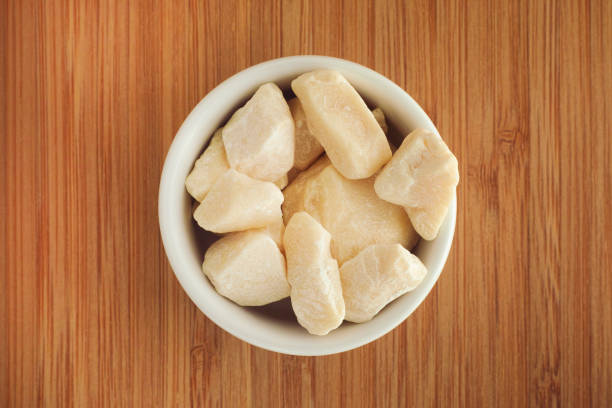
(91,96)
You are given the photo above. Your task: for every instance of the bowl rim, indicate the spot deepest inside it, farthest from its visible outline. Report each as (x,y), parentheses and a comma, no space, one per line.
(165,222)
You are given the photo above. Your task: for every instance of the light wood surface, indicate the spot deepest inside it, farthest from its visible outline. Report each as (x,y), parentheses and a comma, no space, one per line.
(92,94)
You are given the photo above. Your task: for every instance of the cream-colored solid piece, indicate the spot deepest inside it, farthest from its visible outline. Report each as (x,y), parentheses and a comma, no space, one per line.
(248,268)
(238,202)
(379,115)
(316,292)
(294,193)
(421,177)
(208,168)
(259,137)
(376,276)
(341,121)
(307,147)
(349,209)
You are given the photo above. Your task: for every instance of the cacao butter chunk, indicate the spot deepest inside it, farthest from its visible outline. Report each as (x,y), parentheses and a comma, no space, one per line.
(379,115)
(316,292)
(307,148)
(421,177)
(375,277)
(238,202)
(341,121)
(294,193)
(428,219)
(248,268)
(208,168)
(349,209)
(259,137)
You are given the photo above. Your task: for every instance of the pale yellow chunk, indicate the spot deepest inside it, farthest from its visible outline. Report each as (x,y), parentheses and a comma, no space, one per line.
(307,148)
(282,182)
(422,177)
(341,121)
(375,277)
(295,192)
(259,137)
(238,202)
(208,168)
(316,292)
(275,230)
(248,268)
(349,209)
(379,115)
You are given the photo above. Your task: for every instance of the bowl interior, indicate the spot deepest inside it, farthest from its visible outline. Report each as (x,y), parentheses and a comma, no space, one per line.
(274,326)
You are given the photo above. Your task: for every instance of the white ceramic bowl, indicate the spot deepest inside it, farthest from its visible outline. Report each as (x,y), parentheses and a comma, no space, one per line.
(274,327)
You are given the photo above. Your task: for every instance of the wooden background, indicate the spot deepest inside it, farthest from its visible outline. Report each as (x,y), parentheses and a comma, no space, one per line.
(92,94)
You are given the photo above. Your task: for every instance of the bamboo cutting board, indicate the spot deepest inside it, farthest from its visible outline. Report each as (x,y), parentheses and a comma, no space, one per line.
(92,94)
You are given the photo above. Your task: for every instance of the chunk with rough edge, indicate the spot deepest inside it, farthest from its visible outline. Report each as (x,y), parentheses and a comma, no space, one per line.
(259,137)
(316,292)
(238,202)
(375,277)
(208,168)
(421,177)
(248,268)
(307,147)
(379,115)
(341,121)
